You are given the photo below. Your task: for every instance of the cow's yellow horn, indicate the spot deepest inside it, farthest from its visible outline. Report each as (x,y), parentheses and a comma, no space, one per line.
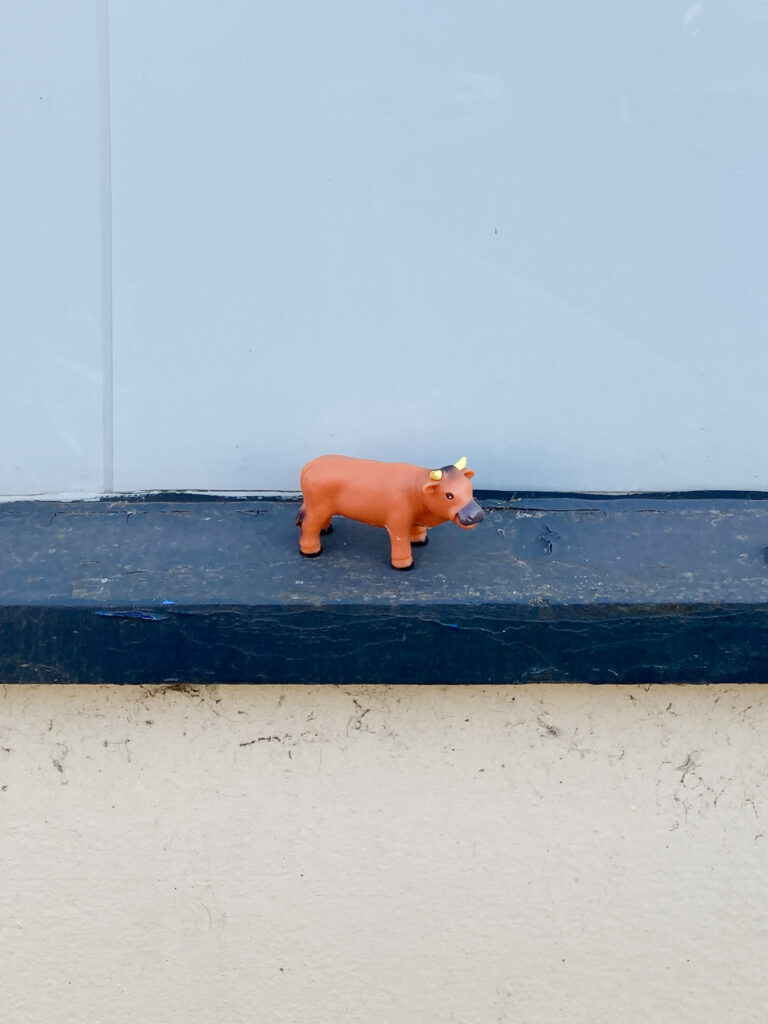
(436,474)
(462,463)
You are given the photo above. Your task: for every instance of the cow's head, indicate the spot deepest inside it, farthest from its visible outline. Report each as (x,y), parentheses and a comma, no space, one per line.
(448,494)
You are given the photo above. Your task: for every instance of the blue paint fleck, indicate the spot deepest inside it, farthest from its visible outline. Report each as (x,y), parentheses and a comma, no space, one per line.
(144,616)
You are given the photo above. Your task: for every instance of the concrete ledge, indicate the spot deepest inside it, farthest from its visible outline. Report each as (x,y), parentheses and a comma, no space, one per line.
(549,588)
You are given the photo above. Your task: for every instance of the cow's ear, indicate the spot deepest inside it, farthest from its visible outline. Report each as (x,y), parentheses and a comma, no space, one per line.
(469,473)
(431,487)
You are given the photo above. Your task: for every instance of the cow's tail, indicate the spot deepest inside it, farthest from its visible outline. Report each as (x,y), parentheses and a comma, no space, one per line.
(300,515)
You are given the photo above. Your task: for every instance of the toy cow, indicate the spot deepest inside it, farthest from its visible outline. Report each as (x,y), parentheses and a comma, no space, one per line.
(406,500)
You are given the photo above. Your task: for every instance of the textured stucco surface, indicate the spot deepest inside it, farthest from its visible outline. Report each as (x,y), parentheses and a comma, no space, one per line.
(284,854)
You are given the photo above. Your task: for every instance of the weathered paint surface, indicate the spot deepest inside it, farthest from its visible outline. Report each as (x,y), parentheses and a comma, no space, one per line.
(516,854)
(566,589)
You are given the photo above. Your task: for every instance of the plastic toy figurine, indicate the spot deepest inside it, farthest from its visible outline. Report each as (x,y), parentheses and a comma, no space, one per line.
(406,500)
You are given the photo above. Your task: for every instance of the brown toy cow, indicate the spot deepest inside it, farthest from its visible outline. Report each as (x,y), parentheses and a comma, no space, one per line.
(406,500)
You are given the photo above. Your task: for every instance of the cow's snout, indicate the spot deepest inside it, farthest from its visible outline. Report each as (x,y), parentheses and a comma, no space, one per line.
(470,515)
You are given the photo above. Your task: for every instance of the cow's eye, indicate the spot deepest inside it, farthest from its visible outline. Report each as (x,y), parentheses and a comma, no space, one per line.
(449,496)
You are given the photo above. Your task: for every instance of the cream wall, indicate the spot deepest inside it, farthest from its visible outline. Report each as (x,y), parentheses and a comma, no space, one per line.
(383,854)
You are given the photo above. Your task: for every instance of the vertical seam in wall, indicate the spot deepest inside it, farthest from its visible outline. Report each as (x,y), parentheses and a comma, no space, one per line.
(107,312)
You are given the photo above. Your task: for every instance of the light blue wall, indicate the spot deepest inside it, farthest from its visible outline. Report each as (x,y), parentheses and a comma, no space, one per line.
(530,233)
(52,253)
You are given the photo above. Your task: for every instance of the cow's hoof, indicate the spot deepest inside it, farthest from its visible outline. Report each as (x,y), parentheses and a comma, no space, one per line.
(326,530)
(402,568)
(420,543)
(312,554)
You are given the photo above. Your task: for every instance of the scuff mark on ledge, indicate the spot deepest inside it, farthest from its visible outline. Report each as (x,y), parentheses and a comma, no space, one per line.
(133,614)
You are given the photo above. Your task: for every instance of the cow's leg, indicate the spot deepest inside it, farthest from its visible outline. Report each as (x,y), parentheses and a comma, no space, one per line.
(401,547)
(311,525)
(419,536)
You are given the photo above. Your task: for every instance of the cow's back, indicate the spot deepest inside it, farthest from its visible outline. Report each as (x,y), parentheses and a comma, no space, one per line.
(362,489)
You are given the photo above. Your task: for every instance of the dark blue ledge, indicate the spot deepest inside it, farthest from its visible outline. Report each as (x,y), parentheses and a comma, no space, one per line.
(649,588)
